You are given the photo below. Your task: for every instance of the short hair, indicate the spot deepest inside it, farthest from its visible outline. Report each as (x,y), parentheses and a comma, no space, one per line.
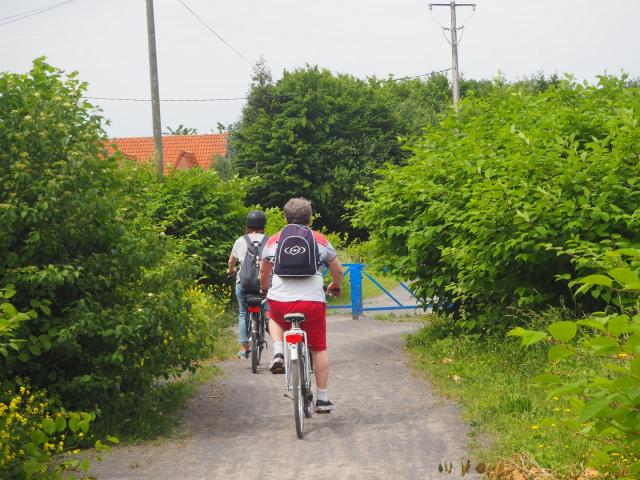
(298,210)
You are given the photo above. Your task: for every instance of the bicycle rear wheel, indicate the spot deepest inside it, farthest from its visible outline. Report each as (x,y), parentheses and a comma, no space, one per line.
(297,378)
(255,354)
(253,342)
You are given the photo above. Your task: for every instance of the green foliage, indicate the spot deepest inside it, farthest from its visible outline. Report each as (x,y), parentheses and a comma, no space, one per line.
(312,134)
(181,130)
(31,433)
(204,211)
(499,201)
(605,403)
(154,412)
(416,103)
(491,379)
(275,220)
(10,320)
(80,251)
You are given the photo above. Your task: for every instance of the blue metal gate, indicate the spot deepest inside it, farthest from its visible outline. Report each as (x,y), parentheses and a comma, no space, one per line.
(356,272)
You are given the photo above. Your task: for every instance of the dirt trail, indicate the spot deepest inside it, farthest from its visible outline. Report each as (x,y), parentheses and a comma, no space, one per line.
(387,425)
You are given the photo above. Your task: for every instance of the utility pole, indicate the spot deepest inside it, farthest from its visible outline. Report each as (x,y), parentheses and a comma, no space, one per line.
(454,45)
(155,90)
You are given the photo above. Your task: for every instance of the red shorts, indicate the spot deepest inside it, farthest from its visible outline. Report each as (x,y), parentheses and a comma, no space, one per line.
(315,323)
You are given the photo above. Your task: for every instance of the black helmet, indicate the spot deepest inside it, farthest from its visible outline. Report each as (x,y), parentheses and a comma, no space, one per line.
(256,219)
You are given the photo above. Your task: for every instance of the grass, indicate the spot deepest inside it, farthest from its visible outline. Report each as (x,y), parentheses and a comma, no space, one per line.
(155,414)
(491,379)
(401,317)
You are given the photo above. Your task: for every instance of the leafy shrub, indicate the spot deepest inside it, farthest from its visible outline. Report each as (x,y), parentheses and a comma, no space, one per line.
(79,248)
(31,434)
(205,211)
(485,211)
(604,404)
(10,320)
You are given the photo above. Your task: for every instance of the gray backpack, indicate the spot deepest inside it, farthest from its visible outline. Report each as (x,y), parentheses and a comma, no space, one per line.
(250,268)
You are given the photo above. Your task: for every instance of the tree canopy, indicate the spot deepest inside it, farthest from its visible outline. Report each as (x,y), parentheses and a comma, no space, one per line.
(313,134)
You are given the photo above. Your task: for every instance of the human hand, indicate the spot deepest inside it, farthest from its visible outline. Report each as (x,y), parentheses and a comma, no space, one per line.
(333,289)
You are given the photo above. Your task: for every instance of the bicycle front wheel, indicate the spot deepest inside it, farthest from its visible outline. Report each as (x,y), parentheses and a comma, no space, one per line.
(306,388)
(297,377)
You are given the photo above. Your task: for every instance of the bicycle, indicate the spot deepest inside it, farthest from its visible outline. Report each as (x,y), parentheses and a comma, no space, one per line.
(255,324)
(298,370)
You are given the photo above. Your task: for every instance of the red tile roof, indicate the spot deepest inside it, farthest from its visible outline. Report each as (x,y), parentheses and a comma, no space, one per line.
(204,148)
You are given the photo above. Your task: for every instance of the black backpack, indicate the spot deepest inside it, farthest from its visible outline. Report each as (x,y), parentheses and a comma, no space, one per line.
(297,254)
(250,268)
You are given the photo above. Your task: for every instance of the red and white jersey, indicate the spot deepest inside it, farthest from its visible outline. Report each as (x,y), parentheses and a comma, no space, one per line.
(289,289)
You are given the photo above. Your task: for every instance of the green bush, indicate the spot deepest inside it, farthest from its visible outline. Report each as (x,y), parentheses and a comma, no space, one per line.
(604,403)
(493,201)
(80,250)
(206,212)
(32,433)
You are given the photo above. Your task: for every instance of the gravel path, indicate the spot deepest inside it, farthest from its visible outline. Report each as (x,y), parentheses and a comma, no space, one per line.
(387,425)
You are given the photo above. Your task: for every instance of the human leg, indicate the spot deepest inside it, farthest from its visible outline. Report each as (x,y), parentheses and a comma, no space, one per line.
(276,332)
(241,294)
(321,368)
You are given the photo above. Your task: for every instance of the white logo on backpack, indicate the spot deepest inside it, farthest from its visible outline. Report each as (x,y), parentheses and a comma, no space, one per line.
(297,253)
(295,250)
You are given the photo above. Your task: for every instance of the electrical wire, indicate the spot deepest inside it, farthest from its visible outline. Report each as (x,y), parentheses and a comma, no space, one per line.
(464,22)
(215,33)
(30,13)
(120,99)
(226,99)
(415,76)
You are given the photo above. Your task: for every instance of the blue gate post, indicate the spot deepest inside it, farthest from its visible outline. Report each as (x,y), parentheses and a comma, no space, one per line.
(355,279)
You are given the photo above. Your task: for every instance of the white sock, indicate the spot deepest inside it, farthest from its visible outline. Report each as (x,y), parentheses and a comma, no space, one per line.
(323,395)
(278,348)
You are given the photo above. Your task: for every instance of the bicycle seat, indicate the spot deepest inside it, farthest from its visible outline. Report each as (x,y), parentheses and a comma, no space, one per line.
(254,300)
(294,317)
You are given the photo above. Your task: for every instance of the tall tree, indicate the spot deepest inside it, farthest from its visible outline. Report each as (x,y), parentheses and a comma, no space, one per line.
(417,102)
(315,134)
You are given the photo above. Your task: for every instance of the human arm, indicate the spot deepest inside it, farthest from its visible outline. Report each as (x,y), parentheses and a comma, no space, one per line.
(231,263)
(265,275)
(335,267)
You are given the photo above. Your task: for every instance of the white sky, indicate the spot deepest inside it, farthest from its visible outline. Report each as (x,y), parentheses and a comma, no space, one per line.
(105,40)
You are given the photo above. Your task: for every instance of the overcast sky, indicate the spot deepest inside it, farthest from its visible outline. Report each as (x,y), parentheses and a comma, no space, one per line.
(106,41)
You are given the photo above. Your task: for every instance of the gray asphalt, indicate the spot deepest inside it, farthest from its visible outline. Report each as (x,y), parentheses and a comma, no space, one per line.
(387,424)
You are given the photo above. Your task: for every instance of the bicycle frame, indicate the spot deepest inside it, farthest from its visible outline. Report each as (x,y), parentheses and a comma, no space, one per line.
(292,338)
(255,328)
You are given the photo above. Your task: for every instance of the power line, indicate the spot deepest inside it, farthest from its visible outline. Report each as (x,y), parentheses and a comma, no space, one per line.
(30,13)
(215,33)
(121,99)
(415,76)
(230,99)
